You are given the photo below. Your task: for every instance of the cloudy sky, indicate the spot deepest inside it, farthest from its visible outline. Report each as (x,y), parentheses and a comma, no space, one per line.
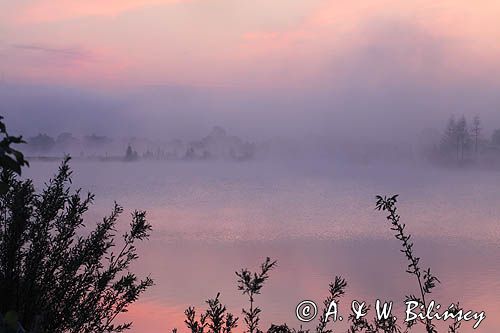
(297,63)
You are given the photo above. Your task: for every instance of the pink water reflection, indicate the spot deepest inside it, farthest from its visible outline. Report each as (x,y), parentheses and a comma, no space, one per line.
(187,273)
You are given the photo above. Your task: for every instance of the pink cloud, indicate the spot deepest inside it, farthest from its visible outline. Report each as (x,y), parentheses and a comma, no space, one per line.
(198,45)
(49,63)
(338,29)
(60,10)
(151,316)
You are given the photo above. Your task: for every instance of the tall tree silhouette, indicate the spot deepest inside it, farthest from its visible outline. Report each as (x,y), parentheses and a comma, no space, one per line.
(476,132)
(456,138)
(463,137)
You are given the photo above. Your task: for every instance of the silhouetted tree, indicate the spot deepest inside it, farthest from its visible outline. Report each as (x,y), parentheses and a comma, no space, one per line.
(456,138)
(65,140)
(495,138)
(449,140)
(476,132)
(463,137)
(52,277)
(190,154)
(94,141)
(131,154)
(41,143)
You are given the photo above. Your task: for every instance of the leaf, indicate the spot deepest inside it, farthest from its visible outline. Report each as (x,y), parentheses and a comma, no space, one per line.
(9,163)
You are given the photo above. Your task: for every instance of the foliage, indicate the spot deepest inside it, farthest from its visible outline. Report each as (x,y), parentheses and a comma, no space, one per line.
(216,318)
(426,280)
(251,284)
(10,158)
(52,276)
(337,290)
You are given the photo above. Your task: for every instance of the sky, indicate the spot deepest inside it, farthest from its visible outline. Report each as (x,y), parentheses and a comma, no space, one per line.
(261,67)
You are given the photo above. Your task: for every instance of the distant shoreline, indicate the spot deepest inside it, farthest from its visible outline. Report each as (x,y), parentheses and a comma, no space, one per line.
(76,158)
(123,159)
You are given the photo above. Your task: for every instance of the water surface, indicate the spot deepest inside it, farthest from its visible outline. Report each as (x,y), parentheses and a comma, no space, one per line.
(317,219)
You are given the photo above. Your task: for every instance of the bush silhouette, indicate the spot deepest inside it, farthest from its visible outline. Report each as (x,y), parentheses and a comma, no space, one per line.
(53,278)
(251,284)
(10,159)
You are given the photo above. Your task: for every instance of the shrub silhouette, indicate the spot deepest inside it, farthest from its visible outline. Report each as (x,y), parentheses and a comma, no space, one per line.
(215,319)
(10,158)
(53,278)
(251,284)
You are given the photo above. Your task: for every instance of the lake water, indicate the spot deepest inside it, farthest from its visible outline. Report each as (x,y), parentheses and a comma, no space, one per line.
(317,219)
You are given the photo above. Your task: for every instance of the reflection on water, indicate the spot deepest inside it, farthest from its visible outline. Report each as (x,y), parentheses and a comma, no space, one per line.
(318,221)
(189,272)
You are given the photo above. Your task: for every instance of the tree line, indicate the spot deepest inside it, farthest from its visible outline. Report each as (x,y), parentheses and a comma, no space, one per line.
(464,140)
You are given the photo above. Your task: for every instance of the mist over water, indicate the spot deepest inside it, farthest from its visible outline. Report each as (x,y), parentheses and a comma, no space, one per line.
(266,200)
(291,176)
(389,112)
(261,128)
(316,218)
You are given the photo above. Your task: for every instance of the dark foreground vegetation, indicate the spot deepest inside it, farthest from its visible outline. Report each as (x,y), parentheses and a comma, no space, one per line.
(59,273)
(216,319)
